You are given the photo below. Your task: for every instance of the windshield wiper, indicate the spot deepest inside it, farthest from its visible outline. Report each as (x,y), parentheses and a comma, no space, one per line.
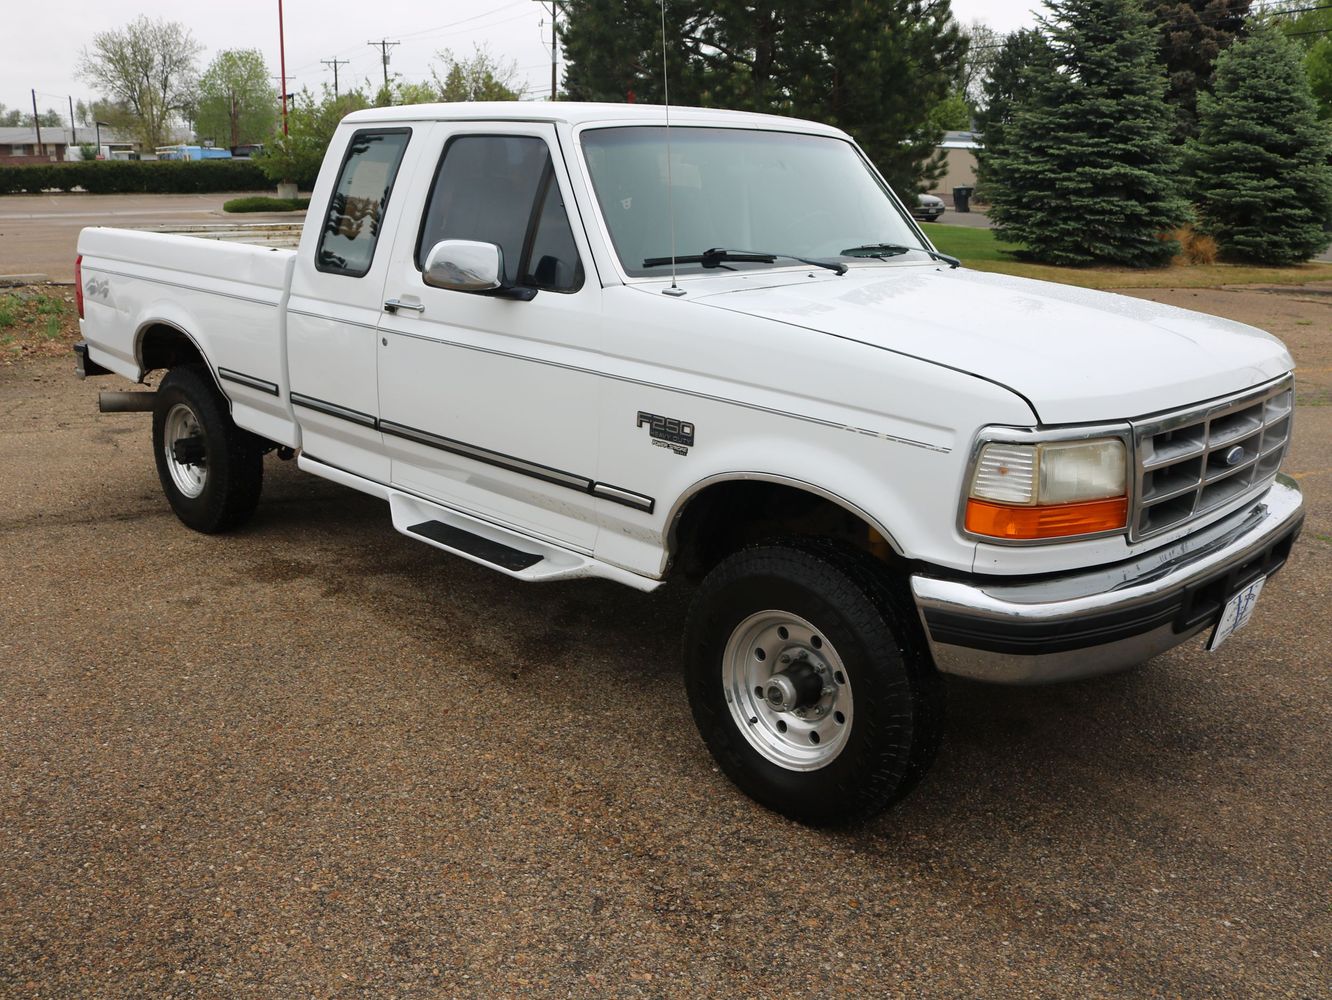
(717,256)
(882,250)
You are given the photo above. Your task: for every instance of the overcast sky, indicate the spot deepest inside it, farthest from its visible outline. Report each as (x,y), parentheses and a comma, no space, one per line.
(44,41)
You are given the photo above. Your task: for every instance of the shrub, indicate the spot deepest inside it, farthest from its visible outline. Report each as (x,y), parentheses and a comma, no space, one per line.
(262,203)
(135,177)
(1194,247)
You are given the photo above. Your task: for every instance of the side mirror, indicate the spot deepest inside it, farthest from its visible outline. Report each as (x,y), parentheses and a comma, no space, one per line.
(465,266)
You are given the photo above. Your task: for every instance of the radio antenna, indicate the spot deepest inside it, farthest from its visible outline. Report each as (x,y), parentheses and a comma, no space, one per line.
(670,187)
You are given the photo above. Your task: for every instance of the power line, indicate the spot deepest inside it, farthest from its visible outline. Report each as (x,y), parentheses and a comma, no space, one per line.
(443,28)
(467,20)
(335,63)
(384,45)
(554,42)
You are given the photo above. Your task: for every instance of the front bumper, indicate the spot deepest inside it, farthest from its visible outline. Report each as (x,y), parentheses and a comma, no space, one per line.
(1073,625)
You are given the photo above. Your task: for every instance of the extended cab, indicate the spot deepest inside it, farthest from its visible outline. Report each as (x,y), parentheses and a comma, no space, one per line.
(566,340)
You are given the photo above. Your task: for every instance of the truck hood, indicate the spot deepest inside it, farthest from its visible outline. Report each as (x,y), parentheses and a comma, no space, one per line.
(1075,355)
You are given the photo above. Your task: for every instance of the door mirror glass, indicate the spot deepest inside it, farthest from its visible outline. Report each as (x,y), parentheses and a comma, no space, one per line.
(464,266)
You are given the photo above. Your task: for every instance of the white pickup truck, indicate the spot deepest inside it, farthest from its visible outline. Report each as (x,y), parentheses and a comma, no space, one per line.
(567,340)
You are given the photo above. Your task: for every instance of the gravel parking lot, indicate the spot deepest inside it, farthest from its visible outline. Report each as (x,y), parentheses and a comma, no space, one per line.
(315,758)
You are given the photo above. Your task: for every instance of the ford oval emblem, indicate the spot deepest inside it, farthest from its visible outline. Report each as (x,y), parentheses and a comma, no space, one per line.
(1234,456)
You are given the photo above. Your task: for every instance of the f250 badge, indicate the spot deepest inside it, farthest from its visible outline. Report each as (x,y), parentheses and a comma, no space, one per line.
(668,432)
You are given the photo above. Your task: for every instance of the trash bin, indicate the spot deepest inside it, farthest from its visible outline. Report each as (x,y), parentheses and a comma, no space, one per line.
(962,199)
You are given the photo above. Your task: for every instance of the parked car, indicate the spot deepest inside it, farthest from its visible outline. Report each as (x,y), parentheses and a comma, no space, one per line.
(878,466)
(928,208)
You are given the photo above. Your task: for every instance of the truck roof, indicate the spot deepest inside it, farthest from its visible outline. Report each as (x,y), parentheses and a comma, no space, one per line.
(577,113)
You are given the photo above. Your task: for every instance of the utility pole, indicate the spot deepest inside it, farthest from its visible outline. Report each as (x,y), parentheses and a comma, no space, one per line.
(384,45)
(282,55)
(73,129)
(335,63)
(37,124)
(554,43)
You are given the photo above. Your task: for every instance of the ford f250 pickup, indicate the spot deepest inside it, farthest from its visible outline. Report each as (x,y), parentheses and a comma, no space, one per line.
(567,340)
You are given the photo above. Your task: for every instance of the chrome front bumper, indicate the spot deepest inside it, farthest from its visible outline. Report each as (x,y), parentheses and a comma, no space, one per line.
(1079,625)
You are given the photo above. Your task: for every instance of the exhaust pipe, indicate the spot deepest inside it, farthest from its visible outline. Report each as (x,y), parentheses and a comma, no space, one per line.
(126,402)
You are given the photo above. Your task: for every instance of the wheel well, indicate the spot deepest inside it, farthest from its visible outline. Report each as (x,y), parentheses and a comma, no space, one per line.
(725,517)
(163,346)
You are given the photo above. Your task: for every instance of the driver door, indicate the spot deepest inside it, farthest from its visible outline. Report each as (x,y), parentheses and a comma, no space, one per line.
(489,404)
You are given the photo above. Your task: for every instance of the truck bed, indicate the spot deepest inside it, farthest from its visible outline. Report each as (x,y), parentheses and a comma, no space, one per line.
(227,297)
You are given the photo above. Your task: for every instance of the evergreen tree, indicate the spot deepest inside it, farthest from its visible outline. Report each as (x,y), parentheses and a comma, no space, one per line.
(1261,157)
(1021,59)
(1192,34)
(1087,170)
(876,68)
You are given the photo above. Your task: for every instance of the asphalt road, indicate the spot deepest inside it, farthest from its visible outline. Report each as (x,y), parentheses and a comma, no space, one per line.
(39,232)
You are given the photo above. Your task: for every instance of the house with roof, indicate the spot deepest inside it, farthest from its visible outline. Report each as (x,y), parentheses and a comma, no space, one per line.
(959,150)
(21,145)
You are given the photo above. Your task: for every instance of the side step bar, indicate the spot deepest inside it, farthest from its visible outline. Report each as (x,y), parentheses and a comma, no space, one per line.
(483,542)
(484,549)
(510,552)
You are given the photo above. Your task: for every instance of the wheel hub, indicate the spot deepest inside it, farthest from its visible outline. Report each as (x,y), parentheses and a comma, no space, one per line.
(188,450)
(184,451)
(795,688)
(787,690)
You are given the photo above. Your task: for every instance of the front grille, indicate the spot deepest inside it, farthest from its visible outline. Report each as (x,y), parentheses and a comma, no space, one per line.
(1195,461)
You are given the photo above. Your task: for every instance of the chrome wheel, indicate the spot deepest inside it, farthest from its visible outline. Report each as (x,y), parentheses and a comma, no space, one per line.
(183,449)
(787,690)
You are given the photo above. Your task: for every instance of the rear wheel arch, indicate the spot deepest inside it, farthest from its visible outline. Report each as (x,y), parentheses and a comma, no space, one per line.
(163,345)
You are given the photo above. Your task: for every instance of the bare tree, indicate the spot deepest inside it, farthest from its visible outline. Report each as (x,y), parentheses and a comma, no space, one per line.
(482,77)
(983,45)
(147,68)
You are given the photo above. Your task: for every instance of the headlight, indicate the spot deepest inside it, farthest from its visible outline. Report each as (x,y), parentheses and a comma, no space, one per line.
(1028,492)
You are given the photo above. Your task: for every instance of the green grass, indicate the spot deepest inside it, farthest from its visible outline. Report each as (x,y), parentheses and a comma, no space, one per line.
(52,328)
(9,306)
(979,249)
(47,306)
(974,246)
(263,203)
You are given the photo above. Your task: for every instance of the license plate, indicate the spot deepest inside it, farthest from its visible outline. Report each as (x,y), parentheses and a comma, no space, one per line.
(1238,611)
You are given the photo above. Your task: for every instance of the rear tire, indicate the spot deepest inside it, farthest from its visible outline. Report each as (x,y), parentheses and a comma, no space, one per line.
(824,627)
(211,471)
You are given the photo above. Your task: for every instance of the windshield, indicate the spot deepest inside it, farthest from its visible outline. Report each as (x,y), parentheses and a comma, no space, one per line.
(747,191)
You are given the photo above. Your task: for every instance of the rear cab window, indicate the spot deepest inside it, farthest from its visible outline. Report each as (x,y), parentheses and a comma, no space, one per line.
(360,198)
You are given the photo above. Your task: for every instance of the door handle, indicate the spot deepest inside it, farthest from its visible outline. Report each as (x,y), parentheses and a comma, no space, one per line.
(393,305)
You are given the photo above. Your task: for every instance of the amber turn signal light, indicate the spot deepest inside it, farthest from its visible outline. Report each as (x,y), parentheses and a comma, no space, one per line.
(1054,521)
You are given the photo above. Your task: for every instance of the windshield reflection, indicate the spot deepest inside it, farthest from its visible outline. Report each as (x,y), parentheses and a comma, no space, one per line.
(777,193)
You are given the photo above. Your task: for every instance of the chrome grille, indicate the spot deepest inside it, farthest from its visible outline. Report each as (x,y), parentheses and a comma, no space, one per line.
(1197,460)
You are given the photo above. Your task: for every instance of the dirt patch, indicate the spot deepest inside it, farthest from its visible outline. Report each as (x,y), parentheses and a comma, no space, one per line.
(1300,315)
(37,321)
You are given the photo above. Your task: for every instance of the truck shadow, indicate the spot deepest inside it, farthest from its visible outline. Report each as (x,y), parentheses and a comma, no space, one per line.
(1019,766)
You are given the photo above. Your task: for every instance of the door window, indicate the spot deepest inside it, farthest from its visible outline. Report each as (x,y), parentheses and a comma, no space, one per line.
(502,190)
(356,210)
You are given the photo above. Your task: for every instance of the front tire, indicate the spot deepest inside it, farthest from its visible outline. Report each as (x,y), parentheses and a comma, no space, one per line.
(211,471)
(809,681)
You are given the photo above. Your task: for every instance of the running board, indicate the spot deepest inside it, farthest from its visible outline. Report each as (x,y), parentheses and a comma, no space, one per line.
(510,552)
(482,549)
